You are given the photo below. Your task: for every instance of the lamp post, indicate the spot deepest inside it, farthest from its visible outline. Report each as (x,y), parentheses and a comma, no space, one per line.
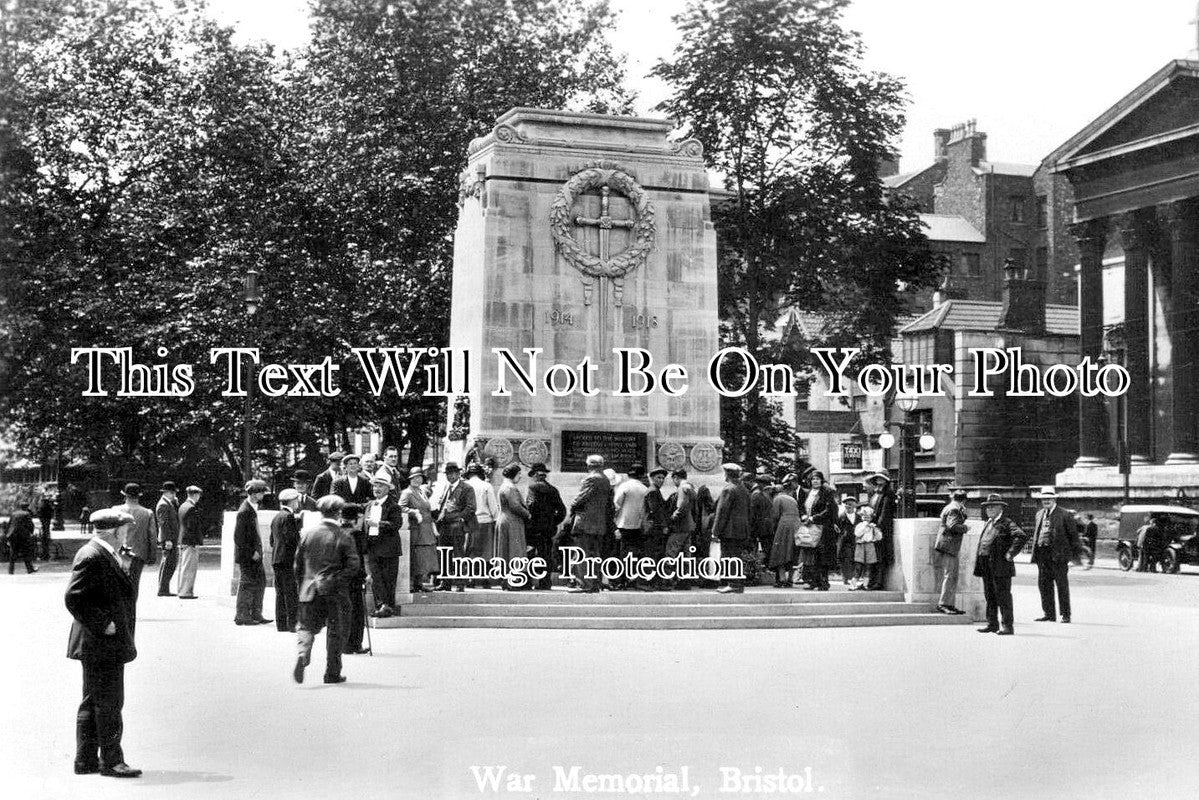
(252,299)
(908,443)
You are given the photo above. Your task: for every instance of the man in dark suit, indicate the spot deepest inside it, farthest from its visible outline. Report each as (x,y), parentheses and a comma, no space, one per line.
(140,539)
(102,600)
(247,553)
(323,484)
(1055,544)
(301,481)
(285,538)
(20,539)
(45,514)
(352,486)
(592,512)
(1090,535)
(351,524)
(1001,541)
(325,560)
(383,520)
(761,506)
(546,512)
(731,522)
(454,509)
(191,537)
(681,524)
(166,516)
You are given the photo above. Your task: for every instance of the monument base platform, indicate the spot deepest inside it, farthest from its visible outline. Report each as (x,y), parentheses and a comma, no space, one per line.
(757,607)
(1100,486)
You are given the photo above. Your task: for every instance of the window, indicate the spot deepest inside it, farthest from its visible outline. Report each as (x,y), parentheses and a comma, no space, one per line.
(1042,211)
(971,264)
(923,419)
(1042,262)
(802,395)
(1018,257)
(1016,208)
(803,448)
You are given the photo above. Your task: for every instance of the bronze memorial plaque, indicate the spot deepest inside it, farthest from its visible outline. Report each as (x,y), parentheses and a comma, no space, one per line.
(620,449)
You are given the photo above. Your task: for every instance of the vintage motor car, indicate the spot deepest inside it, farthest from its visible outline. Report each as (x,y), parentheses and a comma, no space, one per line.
(1182,542)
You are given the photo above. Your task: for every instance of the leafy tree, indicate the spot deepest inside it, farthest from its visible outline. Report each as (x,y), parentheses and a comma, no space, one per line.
(796,127)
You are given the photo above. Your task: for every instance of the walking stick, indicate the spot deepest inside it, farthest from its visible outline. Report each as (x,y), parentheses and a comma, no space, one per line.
(370,648)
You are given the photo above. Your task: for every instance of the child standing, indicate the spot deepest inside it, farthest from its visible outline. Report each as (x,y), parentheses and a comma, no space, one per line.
(865,553)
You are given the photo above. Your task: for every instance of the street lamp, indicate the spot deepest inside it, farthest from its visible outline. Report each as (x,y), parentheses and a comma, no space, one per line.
(908,442)
(253,300)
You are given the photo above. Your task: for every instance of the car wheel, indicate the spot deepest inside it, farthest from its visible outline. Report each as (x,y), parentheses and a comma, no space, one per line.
(1124,558)
(1170,561)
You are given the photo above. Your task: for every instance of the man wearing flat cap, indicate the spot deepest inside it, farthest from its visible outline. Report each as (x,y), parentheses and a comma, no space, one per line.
(731,523)
(247,553)
(1001,541)
(191,537)
(103,602)
(657,522)
(352,486)
(323,484)
(946,548)
(140,538)
(285,538)
(847,523)
(166,517)
(326,562)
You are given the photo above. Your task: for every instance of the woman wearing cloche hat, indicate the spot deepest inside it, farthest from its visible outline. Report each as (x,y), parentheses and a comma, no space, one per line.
(415,506)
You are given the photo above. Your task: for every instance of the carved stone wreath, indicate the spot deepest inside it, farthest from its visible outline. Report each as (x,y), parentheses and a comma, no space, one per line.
(562,221)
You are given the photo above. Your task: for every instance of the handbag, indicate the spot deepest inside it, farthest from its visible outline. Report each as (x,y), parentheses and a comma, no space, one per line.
(807,535)
(714,550)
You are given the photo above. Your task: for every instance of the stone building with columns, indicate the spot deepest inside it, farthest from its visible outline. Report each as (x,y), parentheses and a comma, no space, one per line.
(1134,175)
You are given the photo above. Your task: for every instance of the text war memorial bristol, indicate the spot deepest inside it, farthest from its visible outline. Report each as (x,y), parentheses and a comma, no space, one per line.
(619,428)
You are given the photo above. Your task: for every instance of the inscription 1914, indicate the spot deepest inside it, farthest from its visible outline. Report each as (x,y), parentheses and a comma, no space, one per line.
(636,321)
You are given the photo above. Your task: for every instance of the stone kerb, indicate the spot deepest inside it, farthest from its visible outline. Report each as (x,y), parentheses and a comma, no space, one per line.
(912,572)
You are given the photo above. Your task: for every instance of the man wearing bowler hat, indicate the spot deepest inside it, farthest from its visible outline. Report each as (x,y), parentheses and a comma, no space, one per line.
(247,553)
(166,517)
(102,600)
(191,537)
(301,481)
(139,539)
(1055,543)
(998,547)
(454,507)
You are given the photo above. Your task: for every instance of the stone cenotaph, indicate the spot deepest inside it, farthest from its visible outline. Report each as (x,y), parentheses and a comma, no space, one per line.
(577,234)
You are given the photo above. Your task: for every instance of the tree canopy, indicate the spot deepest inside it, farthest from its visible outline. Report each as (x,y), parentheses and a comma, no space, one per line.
(796,128)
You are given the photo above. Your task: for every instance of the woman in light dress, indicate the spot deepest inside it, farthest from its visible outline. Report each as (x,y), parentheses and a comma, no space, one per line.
(510,527)
(784,516)
(415,506)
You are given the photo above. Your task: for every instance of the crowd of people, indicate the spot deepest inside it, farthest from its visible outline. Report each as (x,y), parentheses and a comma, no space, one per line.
(324,565)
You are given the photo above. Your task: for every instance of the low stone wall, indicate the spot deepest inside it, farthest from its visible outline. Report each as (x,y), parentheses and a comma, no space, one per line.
(912,572)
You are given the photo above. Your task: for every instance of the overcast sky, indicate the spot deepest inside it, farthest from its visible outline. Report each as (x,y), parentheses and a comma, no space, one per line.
(1032,72)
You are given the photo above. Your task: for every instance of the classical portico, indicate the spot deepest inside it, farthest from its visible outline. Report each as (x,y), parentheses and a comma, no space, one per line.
(1134,172)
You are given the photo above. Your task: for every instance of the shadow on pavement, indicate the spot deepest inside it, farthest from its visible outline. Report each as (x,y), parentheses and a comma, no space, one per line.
(172,778)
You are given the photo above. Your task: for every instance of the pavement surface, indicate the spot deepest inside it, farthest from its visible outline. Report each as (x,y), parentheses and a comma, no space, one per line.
(1105,707)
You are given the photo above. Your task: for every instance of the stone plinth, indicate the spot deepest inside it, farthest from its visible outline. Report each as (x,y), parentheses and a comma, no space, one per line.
(912,572)
(577,234)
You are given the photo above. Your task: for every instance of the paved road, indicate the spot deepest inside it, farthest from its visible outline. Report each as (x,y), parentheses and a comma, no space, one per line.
(1102,708)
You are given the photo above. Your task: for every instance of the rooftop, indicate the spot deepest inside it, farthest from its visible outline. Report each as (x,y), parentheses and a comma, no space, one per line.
(950,228)
(983,315)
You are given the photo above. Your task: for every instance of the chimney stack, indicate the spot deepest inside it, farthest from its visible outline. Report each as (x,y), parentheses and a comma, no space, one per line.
(940,144)
(966,132)
(1023,300)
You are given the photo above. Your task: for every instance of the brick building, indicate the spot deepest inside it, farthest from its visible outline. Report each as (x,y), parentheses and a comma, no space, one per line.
(1016,212)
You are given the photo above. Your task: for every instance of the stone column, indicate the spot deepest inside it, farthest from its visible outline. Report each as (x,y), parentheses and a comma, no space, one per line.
(1135,239)
(1092,414)
(1182,223)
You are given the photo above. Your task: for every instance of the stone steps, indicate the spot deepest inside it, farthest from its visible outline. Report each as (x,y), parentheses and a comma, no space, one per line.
(758,607)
